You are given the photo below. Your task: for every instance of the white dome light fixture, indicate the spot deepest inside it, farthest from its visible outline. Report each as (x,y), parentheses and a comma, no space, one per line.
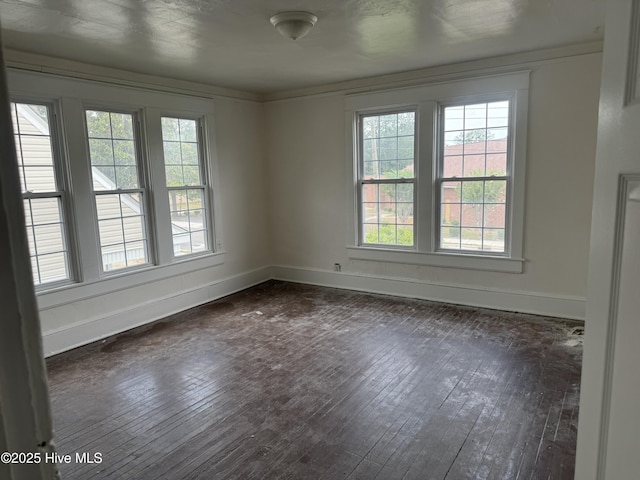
(294,25)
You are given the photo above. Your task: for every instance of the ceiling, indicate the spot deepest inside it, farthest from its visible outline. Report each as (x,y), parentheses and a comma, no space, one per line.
(230,43)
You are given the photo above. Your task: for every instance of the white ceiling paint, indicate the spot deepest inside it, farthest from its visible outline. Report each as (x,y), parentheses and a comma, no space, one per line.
(230,43)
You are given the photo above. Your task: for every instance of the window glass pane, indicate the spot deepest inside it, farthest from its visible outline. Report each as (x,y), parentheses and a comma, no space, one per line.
(126,177)
(495,191)
(108,206)
(133,229)
(174,176)
(450,237)
(450,214)
(170,129)
(388,125)
(98,124)
(471,239)
(172,153)
(188,130)
(189,153)
(493,240)
(111,231)
(452,166)
(450,192)
(121,126)
(191,175)
(494,215)
(497,164)
(53,267)
(101,151)
(124,152)
(475,116)
(48,238)
(135,253)
(40,179)
(473,166)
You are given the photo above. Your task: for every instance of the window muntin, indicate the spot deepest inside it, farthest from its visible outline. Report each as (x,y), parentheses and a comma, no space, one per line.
(41,192)
(118,196)
(186,185)
(387,178)
(472,185)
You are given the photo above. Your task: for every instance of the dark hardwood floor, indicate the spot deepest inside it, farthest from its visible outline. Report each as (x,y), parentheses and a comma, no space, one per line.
(291,381)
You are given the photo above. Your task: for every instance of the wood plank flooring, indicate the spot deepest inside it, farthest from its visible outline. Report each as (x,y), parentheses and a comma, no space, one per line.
(298,382)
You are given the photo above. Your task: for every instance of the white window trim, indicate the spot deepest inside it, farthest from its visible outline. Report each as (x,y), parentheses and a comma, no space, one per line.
(142,161)
(426,98)
(202,135)
(71,97)
(61,168)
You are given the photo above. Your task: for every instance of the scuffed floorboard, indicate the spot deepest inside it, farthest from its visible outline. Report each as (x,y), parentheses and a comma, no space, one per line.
(292,381)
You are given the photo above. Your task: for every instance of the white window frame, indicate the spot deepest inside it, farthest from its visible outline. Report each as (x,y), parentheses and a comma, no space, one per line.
(61,170)
(73,97)
(398,181)
(201,127)
(428,99)
(143,183)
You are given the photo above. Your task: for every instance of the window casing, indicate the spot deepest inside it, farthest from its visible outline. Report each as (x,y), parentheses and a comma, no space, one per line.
(41,181)
(465,216)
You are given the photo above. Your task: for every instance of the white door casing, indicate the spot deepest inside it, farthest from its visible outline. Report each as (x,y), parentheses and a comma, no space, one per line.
(608,447)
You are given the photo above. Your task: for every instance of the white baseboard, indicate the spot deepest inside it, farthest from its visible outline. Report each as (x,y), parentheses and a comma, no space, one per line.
(514,301)
(82,333)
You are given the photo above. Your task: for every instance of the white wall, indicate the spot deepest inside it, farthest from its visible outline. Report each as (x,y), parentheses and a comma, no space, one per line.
(307,193)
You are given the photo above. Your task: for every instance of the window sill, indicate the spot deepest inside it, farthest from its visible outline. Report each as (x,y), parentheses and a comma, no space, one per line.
(446,260)
(74,292)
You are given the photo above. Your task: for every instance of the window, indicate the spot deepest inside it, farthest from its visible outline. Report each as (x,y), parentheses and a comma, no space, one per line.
(120,185)
(42,193)
(185,185)
(387,178)
(473,168)
(119,198)
(438,173)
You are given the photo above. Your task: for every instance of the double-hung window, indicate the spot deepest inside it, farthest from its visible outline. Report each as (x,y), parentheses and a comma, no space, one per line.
(42,191)
(118,189)
(186,185)
(439,173)
(473,176)
(387,178)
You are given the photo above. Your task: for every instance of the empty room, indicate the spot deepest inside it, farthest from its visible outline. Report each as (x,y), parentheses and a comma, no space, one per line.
(341,239)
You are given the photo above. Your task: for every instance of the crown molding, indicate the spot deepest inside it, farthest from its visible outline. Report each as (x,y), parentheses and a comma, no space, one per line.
(486,66)
(36,62)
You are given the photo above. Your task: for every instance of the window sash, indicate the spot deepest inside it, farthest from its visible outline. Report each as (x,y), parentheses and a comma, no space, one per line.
(142,241)
(362,182)
(34,230)
(440,179)
(188,238)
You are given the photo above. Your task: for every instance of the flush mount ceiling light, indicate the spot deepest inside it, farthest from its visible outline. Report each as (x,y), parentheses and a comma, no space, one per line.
(294,25)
